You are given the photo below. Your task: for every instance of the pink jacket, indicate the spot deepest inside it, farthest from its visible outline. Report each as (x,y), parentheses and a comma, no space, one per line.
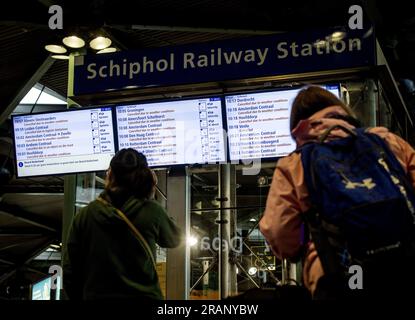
(281,223)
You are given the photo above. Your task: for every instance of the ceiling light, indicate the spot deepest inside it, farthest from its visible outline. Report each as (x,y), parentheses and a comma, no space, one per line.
(107,50)
(192,241)
(60,57)
(100,43)
(252,271)
(54,48)
(320,43)
(262,181)
(252,220)
(73,42)
(337,35)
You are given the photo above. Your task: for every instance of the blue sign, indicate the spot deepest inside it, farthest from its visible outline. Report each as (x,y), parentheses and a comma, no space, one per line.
(271,55)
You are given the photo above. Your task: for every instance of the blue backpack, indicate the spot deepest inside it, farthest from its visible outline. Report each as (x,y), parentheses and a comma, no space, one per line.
(362,203)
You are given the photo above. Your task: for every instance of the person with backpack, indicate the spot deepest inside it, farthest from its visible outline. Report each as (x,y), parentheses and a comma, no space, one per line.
(345,197)
(111,247)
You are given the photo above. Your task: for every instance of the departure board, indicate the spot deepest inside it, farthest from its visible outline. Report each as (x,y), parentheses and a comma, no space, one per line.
(75,141)
(174,132)
(259,123)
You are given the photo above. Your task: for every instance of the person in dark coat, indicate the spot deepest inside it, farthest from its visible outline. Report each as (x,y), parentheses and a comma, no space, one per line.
(103,259)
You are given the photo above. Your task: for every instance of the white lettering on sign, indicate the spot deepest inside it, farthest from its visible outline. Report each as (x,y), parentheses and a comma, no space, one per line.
(132,69)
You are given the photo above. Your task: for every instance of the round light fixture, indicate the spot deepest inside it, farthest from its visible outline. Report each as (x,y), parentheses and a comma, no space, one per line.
(73,42)
(192,241)
(252,271)
(107,50)
(262,181)
(60,57)
(337,35)
(54,48)
(320,43)
(100,43)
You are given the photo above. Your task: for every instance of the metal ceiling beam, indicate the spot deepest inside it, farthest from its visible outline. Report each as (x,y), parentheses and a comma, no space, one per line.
(43,68)
(15,188)
(36,271)
(201,30)
(47,3)
(16,266)
(14,245)
(28,221)
(7,262)
(30,235)
(25,231)
(371,9)
(7,275)
(115,41)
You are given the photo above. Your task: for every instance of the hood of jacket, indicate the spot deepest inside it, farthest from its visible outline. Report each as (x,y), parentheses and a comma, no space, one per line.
(311,129)
(107,213)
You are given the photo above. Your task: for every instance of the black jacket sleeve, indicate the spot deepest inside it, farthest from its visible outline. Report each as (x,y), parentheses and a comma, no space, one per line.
(169,234)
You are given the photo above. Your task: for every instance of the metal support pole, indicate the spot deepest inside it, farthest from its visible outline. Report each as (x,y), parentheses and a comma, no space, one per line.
(294,273)
(291,273)
(371,98)
(227,271)
(178,259)
(68,206)
(284,272)
(233,280)
(206,264)
(69,185)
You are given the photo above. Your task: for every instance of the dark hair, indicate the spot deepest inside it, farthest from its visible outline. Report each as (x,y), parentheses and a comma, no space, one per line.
(130,175)
(313,99)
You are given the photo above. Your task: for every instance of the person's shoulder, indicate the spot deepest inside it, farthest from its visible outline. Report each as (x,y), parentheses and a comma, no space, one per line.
(93,205)
(393,139)
(289,160)
(383,132)
(89,209)
(153,205)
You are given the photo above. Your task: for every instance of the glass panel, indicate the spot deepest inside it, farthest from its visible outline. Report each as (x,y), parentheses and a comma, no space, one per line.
(36,96)
(88,188)
(256,265)
(204,240)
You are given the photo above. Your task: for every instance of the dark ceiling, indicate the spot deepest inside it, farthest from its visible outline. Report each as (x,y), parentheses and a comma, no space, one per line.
(24,28)
(24,32)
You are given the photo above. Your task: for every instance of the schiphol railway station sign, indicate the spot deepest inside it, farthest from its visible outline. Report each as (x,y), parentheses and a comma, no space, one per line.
(270,55)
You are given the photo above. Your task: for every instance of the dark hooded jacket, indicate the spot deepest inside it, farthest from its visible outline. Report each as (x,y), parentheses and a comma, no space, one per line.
(103,259)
